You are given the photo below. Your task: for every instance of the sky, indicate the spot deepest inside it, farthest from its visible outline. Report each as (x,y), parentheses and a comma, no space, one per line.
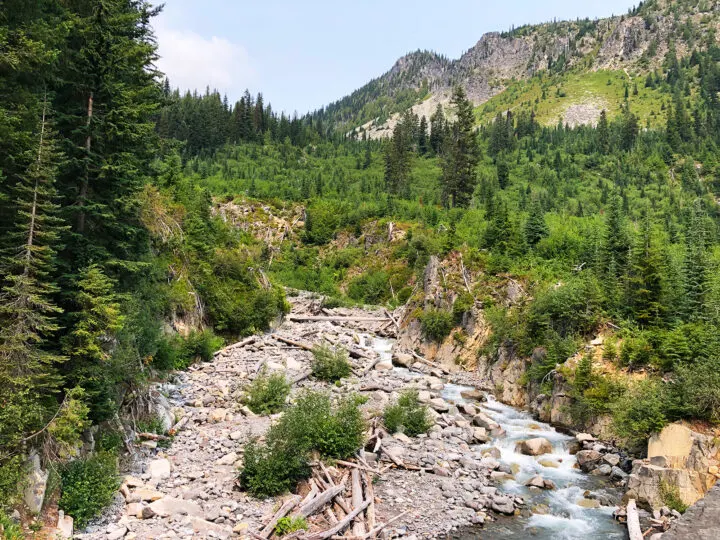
(303,54)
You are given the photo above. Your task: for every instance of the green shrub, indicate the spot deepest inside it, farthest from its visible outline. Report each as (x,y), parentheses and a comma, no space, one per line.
(312,425)
(408,415)
(330,364)
(322,218)
(696,389)
(641,412)
(436,324)
(12,473)
(88,486)
(670,496)
(372,287)
(9,530)
(109,440)
(178,352)
(463,304)
(290,524)
(272,468)
(267,393)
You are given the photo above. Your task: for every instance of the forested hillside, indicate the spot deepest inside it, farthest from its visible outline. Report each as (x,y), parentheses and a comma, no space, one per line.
(119,262)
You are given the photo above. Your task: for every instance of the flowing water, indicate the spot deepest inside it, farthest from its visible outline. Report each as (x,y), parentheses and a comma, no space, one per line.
(560,514)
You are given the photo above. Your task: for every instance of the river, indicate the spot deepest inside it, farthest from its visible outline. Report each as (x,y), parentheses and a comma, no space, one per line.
(561,514)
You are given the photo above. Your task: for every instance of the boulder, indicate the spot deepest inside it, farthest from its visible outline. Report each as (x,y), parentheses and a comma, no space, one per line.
(588,459)
(439,404)
(384,365)
(534,447)
(480,435)
(483,420)
(64,526)
(584,437)
(674,443)
(217,416)
(160,408)
(36,484)
(116,533)
(476,395)
(228,459)
(540,482)
(207,529)
(503,505)
(145,494)
(159,469)
(170,506)
(611,459)
(403,359)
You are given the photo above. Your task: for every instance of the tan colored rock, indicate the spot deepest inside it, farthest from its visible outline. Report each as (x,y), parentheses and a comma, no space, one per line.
(217,416)
(159,469)
(147,494)
(133,509)
(209,529)
(228,459)
(674,443)
(64,526)
(534,447)
(169,506)
(133,482)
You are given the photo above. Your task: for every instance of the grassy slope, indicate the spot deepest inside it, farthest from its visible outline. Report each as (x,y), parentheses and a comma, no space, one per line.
(578,87)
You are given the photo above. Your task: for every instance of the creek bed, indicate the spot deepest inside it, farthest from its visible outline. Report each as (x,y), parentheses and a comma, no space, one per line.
(560,514)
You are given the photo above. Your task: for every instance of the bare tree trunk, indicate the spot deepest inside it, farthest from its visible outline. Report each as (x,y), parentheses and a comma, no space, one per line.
(86,181)
(33,211)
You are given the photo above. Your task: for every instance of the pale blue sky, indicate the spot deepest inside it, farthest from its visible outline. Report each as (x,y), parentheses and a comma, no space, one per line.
(305,54)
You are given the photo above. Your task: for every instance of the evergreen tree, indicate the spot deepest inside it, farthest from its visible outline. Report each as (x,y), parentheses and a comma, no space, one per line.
(535,227)
(644,280)
(438,130)
(96,321)
(461,154)
(28,315)
(422,143)
(603,133)
(696,264)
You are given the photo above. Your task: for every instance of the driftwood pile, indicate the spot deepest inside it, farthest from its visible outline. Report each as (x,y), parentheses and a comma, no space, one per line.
(338,501)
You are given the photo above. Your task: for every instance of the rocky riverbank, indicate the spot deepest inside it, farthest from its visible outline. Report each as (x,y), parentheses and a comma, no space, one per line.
(453,477)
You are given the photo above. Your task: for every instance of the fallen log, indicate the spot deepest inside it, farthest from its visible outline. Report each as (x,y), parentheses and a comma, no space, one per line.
(429,363)
(153,436)
(180,423)
(301,376)
(352,353)
(239,344)
(370,494)
(357,466)
(310,318)
(357,499)
(321,500)
(341,525)
(281,513)
(633,521)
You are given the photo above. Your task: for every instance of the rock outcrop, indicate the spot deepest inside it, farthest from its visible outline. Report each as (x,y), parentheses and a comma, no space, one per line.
(678,459)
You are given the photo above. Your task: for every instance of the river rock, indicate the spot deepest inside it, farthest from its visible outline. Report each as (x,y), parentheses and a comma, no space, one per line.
(534,447)
(217,416)
(403,359)
(145,494)
(588,459)
(384,365)
(540,482)
(483,420)
(159,469)
(439,404)
(584,437)
(503,505)
(477,395)
(116,533)
(208,529)
(611,459)
(169,506)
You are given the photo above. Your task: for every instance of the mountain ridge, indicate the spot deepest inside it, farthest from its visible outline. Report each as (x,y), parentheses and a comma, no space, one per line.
(635,43)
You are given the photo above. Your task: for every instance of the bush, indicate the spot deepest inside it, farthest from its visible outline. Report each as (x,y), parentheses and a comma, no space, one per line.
(697,390)
(88,486)
(462,305)
(641,412)
(330,364)
(670,496)
(407,415)
(290,524)
(9,530)
(12,473)
(178,352)
(110,440)
(436,324)
(372,287)
(313,424)
(267,393)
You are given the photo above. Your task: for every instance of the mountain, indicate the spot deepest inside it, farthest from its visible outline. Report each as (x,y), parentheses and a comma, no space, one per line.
(577,55)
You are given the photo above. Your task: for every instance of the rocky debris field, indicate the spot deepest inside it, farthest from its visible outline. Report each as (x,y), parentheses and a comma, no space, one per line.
(421,487)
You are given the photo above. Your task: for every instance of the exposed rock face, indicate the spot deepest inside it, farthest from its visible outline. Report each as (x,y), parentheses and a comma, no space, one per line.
(677,457)
(701,521)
